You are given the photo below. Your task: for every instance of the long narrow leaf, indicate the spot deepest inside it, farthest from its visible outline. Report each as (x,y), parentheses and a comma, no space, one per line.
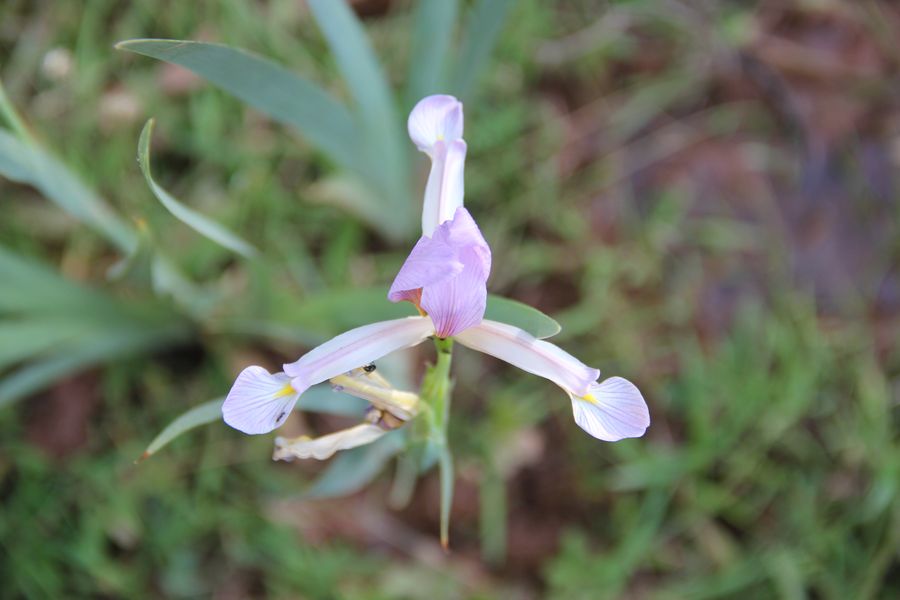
(433,28)
(316,399)
(352,469)
(522,316)
(21,340)
(202,414)
(196,221)
(267,87)
(24,163)
(69,359)
(30,287)
(323,399)
(446,471)
(483,26)
(384,145)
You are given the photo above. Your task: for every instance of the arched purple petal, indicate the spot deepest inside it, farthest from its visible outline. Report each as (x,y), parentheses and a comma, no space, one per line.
(435,118)
(462,232)
(429,262)
(458,303)
(612,410)
(521,349)
(355,348)
(259,401)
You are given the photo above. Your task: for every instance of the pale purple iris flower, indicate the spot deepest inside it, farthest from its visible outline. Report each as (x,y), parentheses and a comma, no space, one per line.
(445,277)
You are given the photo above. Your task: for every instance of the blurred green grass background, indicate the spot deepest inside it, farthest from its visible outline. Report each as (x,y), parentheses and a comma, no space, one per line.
(703,194)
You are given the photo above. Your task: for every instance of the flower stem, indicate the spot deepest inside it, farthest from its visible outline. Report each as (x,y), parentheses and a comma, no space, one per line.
(436,392)
(440,393)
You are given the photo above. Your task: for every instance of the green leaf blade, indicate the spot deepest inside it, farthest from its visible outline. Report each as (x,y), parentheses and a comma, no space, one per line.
(203,414)
(25,163)
(268,87)
(386,153)
(97,349)
(193,219)
(435,21)
(483,26)
(522,316)
(353,469)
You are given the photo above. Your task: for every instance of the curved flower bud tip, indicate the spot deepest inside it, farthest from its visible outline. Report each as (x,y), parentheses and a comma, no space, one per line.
(436,127)
(324,447)
(434,119)
(259,401)
(454,296)
(612,410)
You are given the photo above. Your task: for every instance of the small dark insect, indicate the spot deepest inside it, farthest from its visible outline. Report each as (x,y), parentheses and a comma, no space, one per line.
(280,416)
(369,367)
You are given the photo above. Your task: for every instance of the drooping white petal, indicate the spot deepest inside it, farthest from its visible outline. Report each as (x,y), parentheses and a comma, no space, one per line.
(324,447)
(445,188)
(433,119)
(523,350)
(355,348)
(612,410)
(259,401)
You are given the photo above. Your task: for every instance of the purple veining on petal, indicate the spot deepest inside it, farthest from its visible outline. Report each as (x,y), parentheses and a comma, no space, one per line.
(613,410)
(454,296)
(259,401)
(457,303)
(462,232)
(429,262)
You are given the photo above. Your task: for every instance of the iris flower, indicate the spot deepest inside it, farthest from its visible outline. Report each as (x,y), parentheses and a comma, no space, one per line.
(445,278)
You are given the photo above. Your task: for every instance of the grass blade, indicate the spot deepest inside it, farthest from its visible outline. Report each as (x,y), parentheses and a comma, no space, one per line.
(482,29)
(196,221)
(433,28)
(267,87)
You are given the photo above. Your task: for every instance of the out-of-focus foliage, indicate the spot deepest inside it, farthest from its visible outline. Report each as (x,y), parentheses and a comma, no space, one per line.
(702,194)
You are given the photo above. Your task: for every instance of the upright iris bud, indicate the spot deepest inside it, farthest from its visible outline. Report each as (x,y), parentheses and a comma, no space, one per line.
(446,273)
(436,127)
